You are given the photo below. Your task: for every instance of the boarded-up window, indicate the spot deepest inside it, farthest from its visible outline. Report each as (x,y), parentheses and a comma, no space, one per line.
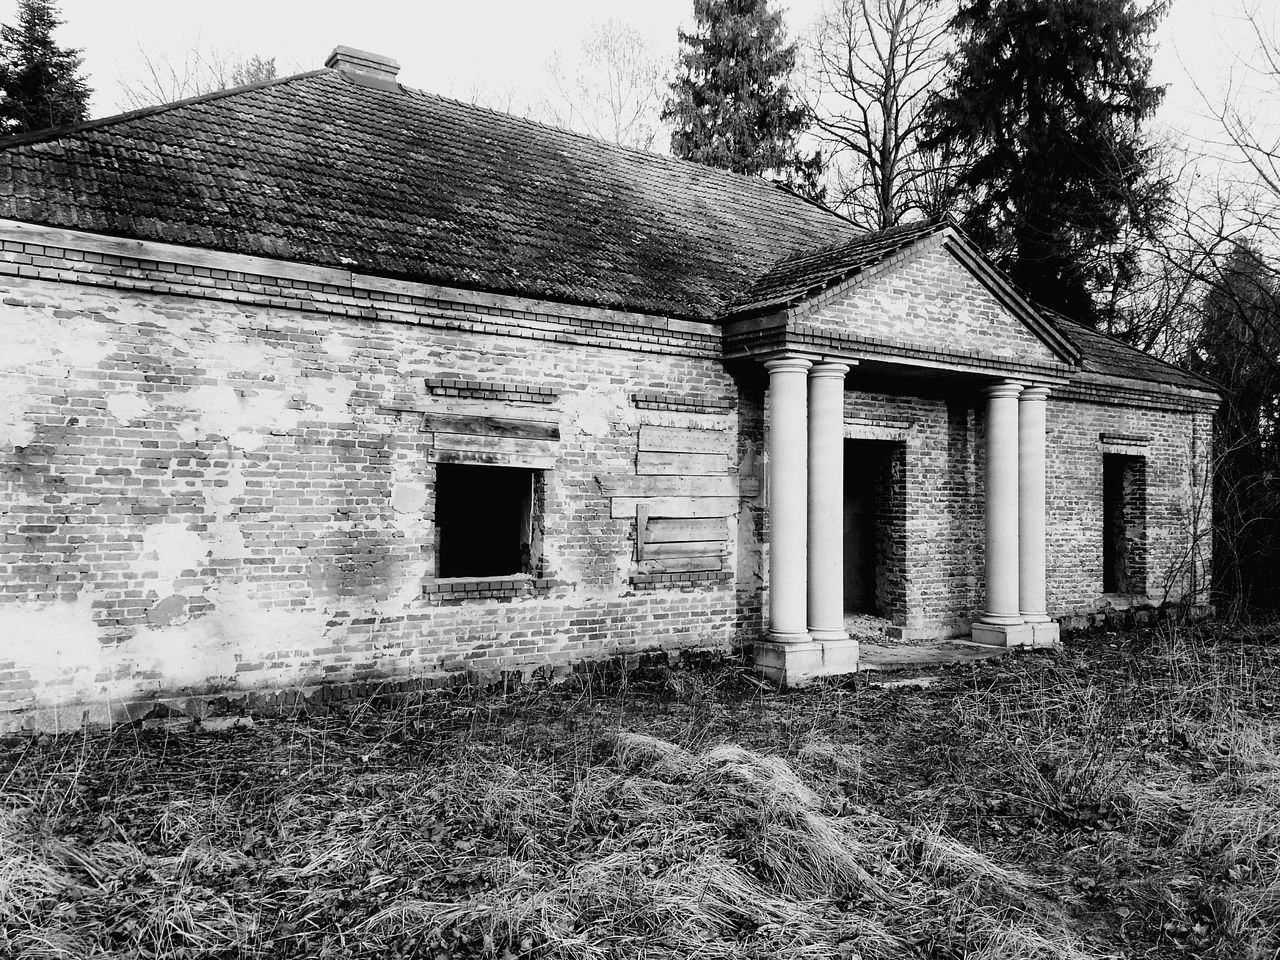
(1124,523)
(488,520)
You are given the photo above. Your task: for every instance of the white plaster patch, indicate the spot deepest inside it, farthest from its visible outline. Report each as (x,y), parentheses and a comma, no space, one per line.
(244,420)
(408,497)
(15,429)
(43,346)
(330,397)
(187,431)
(406,587)
(336,345)
(592,411)
(226,541)
(238,630)
(220,490)
(67,654)
(169,549)
(128,407)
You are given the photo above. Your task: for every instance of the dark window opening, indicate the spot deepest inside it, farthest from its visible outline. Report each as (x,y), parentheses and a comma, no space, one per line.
(1124,523)
(487,520)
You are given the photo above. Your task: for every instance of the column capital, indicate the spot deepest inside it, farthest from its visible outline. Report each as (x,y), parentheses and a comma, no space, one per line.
(1033,393)
(1004,388)
(788,364)
(829,368)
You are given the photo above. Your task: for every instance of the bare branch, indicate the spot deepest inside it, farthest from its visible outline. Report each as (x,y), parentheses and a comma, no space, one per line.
(874,64)
(193,72)
(612,88)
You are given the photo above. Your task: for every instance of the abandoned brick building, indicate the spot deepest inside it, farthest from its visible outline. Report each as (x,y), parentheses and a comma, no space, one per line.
(328,381)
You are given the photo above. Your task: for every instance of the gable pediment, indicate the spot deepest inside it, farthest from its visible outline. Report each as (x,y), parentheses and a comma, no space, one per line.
(939,296)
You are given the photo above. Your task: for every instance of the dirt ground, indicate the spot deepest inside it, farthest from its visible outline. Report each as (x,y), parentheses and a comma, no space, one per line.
(1120,798)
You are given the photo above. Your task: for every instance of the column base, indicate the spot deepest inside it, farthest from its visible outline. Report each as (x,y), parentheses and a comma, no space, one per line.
(787,639)
(1004,634)
(828,636)
(1045,634)
(798,664)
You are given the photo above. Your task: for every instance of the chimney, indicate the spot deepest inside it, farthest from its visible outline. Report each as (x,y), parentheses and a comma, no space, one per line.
(371,69)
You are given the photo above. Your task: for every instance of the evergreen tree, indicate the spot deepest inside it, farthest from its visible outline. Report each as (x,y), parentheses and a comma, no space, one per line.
(731,103)
(1045,106)
(40,82)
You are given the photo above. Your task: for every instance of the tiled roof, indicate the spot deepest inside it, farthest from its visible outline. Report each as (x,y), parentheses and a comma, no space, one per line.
(322,169)
(801,274)
(1111,357)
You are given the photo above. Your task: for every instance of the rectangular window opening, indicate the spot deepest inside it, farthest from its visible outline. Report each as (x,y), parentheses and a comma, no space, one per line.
(488,520)
(1124,522)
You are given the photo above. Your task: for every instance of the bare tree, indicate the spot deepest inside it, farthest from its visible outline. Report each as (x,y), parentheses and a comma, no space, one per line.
(194,72)
(1220,268)
(1239,205)
(874,65)
(612,87)
(1246,109)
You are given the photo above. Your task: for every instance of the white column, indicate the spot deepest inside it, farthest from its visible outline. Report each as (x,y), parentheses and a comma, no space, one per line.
(1032,405)
(826,501)
(788,499)
(1002,505)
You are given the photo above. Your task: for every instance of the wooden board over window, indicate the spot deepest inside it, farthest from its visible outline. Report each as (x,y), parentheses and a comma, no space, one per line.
(498,441)
(681,494)
(680,544)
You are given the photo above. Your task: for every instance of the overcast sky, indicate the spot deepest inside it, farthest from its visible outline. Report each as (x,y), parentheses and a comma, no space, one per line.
(456,45)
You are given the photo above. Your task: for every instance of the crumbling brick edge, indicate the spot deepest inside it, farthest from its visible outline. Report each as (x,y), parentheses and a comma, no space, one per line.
(323,699)
(1132,616)
(179,710)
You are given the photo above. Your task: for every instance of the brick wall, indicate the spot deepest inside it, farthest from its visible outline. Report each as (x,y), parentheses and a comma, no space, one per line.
(1174,446)
(941,582)
(215,479)
(214,482)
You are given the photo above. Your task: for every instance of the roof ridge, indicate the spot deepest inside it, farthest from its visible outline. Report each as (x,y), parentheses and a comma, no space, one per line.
(57,133)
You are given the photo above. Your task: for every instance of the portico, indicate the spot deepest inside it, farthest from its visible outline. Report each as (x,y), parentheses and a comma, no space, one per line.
(805,637)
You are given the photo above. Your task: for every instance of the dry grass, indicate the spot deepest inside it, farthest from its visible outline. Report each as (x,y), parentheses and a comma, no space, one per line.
(1119,801)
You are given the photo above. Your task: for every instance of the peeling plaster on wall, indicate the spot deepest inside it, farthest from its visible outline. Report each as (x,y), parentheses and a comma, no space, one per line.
(168,551)
(15,429)
(336,345)
(173,609)
(239,630)
(192,653)
(221,490)
(128,407)
(593,411)
(226,541)
(67,656)
(48,348)
(409,498)
(241,416)
(329,397)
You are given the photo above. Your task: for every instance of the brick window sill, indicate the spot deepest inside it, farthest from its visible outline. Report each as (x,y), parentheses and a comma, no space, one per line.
(697,578)
(461,589)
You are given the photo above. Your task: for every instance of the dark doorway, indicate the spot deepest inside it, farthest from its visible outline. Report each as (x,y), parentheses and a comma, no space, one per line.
(868,493)
(1124,509)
